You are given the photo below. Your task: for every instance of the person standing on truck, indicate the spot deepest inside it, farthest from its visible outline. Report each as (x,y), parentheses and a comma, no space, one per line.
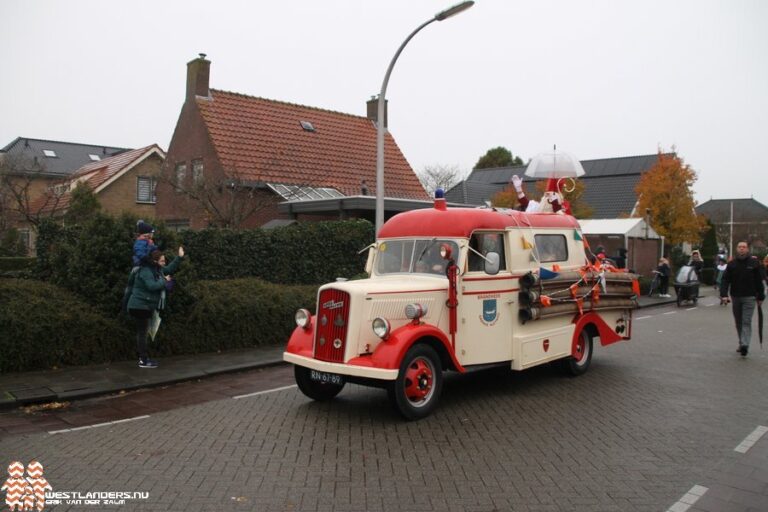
(743,278)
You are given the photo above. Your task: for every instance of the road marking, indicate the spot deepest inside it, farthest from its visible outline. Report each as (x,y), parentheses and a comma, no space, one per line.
(751,439)
(643,317)
(688,499)
(670,312)
(52,432)
(691,309)
(264,392)
(709,305)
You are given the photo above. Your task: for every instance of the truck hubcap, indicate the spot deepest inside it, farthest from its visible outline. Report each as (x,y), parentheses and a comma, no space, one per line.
(419,379)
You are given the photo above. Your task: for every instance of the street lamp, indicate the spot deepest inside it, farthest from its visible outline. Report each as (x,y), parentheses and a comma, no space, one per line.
(442,15)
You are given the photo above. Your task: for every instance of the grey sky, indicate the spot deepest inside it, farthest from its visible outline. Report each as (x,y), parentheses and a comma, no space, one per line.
(600,78)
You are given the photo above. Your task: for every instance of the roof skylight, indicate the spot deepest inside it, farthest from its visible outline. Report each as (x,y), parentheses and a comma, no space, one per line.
(49,153)
(307,126)
(94,158)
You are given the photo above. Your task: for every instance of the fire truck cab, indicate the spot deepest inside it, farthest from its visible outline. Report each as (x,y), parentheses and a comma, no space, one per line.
(453,289)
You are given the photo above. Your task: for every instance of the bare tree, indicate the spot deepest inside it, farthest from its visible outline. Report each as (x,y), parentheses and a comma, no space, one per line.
(18,200)
(229,200)
(441,176)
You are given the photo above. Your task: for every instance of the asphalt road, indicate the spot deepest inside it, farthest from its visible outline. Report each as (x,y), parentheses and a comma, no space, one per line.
(652,418)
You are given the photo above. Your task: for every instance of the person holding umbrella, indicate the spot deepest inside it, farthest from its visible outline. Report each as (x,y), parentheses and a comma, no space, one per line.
(743,278)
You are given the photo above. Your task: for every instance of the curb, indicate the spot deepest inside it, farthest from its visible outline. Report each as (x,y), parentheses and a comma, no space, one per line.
(8,401)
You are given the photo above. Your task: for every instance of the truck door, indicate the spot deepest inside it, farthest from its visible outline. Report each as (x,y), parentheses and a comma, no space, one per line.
(484,333)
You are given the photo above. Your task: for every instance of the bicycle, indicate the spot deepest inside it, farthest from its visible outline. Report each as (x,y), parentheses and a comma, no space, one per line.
(655,282)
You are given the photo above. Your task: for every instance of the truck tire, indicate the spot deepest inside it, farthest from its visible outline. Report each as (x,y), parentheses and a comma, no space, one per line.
(416,391)
(578,365)
(320,391)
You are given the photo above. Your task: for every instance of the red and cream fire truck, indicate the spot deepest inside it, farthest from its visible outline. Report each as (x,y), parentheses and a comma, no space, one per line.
(452,289)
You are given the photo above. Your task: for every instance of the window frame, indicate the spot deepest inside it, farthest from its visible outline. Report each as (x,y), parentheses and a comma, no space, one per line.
(197,178)
(152,190)
(179,176)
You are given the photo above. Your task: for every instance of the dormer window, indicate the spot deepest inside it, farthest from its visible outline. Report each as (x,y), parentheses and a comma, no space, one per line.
(308,127)
(94,158)
(49,153)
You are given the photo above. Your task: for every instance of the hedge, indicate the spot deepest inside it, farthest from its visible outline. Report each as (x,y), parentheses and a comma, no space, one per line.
(42,326)
(236,313)
(17,266)
(305,253)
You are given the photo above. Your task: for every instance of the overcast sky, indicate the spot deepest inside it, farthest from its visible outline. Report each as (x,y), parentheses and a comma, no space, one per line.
(598,78)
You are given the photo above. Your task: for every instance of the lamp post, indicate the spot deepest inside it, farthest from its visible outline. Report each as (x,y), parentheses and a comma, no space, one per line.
(442,15)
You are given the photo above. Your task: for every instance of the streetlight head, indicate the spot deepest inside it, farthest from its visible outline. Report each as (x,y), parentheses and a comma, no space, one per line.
(452,11)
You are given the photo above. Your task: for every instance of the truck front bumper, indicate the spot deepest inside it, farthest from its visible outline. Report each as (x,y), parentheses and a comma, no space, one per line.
(341,368)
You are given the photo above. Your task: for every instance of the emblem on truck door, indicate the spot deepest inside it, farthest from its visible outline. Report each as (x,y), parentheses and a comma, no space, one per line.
(490,312)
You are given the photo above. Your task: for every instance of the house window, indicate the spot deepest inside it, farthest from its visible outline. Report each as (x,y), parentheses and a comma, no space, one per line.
(177,225)
(49,153)
(24,238)
(197,172)
(551,248)
(145,189)
(181,176)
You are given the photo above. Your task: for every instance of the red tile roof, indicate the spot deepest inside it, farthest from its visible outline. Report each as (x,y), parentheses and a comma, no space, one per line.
(263,140)
(94,175)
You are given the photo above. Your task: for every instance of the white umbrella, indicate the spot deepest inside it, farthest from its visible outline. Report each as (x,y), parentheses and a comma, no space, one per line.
(554,165)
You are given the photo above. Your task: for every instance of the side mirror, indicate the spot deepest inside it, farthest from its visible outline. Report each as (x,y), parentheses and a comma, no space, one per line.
(492,263)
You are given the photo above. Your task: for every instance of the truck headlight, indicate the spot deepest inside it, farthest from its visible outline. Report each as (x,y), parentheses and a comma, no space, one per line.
(303,319)
(380,327)
(415,311)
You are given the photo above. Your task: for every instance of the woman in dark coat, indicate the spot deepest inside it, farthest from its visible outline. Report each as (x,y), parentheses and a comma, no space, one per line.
(148,296)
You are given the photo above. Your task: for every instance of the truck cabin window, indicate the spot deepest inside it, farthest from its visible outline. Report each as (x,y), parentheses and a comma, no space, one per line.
(413,257)
(485,243)
(551,248)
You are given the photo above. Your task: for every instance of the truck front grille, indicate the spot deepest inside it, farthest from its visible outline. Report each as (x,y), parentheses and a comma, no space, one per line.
(332,320)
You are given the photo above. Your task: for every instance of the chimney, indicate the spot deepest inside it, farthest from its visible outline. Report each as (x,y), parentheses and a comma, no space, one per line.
(373,109)
(198,72)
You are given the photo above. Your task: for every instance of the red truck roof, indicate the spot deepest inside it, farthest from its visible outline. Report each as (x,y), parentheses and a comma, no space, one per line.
(461,222)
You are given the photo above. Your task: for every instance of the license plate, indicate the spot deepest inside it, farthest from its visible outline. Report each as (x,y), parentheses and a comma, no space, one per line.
(330,378)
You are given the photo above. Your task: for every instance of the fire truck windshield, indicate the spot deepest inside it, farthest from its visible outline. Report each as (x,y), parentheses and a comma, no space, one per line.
(413,256)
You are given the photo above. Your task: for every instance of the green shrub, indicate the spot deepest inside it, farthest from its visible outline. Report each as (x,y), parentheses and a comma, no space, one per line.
(42,326)
(93,259)
(305,253)
(20,267)
(227,314)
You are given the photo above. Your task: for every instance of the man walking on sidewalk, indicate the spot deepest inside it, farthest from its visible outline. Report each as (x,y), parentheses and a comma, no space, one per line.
(744,277)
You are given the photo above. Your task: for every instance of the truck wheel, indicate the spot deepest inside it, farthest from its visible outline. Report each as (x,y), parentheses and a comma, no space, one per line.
(415,392)
(320,391)
(579,363)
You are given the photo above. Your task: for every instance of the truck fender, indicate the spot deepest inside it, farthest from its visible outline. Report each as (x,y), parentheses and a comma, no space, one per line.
(300,342)
(391,351)
(596,325)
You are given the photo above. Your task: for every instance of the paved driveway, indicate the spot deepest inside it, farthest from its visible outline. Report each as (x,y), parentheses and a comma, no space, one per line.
(653,418)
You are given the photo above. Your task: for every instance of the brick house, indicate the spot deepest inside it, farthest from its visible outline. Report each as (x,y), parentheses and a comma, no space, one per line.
(124,183)
(244,161)
(31,168)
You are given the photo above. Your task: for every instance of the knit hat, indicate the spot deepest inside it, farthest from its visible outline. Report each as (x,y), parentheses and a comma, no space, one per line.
(143,228)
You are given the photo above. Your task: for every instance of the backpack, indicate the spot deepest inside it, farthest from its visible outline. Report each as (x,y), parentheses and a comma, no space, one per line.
(128,290)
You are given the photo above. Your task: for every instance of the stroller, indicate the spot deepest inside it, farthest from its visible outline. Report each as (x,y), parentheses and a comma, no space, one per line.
(687,285)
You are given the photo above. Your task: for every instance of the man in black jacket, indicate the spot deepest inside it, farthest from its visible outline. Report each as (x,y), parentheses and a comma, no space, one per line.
(744,277)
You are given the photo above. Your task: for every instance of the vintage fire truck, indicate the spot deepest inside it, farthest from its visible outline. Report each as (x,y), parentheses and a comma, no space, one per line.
(453,289)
